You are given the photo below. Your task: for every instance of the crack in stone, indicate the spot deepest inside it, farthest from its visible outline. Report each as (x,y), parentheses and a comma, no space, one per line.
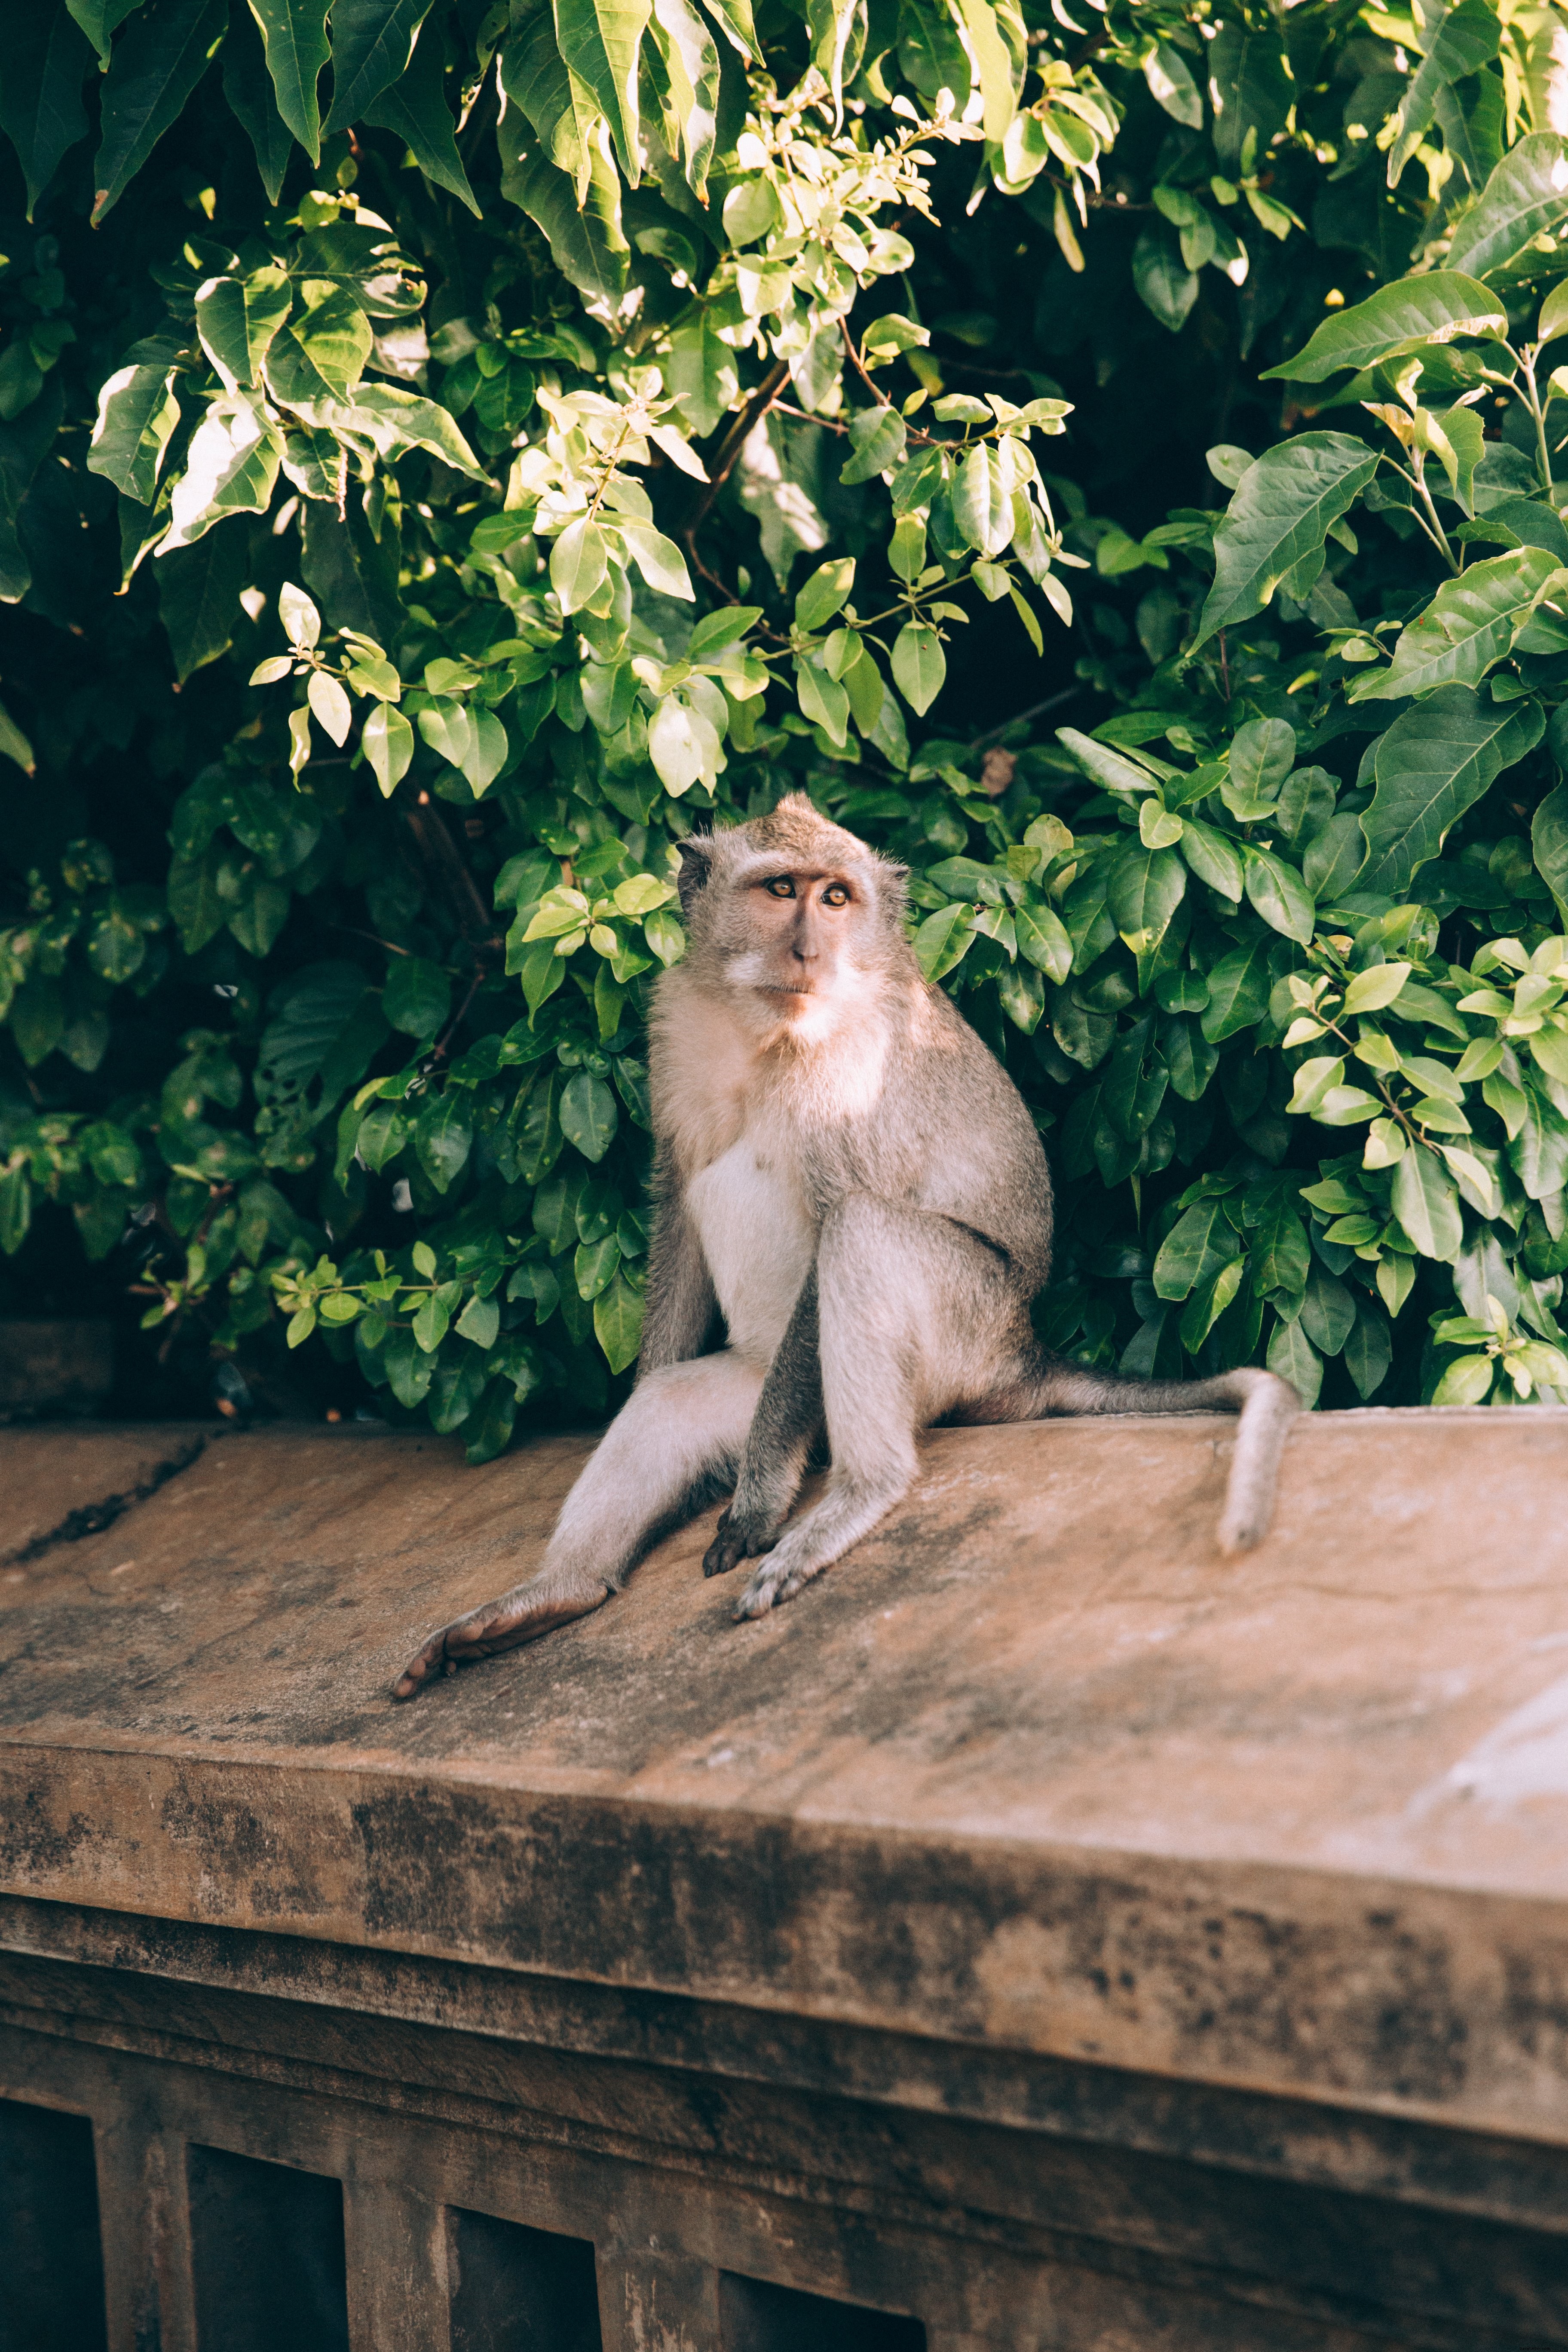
(91,1518)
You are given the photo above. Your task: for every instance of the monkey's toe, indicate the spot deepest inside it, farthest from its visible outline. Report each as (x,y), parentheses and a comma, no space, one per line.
(501,1625)
(726,1551)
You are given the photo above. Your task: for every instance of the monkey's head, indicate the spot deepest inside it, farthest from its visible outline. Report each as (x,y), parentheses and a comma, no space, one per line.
(794,912)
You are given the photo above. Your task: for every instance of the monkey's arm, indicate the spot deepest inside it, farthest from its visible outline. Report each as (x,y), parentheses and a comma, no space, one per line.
(681,1302)
(787,1418)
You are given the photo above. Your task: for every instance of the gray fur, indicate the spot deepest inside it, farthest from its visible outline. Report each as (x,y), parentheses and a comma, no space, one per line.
(850,1177)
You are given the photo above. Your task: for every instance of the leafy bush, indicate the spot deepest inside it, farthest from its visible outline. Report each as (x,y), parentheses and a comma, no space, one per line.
(448,451)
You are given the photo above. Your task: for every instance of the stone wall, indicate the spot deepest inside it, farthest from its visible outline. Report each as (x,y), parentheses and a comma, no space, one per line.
(1043,1933)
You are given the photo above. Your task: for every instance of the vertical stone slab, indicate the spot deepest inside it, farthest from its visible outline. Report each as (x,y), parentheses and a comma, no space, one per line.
(396,2245)
(144,2215)
(650,2302)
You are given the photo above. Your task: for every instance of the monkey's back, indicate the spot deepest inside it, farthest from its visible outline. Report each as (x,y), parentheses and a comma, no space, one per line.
(952,1120)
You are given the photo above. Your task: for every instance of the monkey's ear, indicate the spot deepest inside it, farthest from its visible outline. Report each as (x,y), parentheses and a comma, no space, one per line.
(695,864)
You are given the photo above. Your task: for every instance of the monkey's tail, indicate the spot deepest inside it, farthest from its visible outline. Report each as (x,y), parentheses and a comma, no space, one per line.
(1266,1406)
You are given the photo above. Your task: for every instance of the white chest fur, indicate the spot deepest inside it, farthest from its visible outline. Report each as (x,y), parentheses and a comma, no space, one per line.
(758,1239)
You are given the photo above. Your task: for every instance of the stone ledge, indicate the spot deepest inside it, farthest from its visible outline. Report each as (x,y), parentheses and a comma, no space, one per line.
(1034,1769)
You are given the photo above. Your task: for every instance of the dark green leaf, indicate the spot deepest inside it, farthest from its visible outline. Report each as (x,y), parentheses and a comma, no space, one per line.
(442,1135)
(44,64)
(1408,316)
(588,1115)
(1280,512)
(415,106)
(248,93)
(1432,765)
(1239,985)
(155,66)
(417,996)
(372,41)
(198,596)
(1526,197)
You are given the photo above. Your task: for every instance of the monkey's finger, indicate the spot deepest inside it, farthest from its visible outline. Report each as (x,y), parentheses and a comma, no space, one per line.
(725,1552)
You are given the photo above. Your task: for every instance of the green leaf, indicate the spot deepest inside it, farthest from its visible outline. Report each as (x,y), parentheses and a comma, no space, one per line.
(1467,627)
(231,468)
(824,593)
(1239,986)
(442,1133)
(943,940)
(397,421)
(1369,1350)
(618,1321)
(1208,1303)
(236,319)
(981,508)
(1410,315)
(417,997)
(588,1115)
(1261,756)
(1539,1150)
(1042,937)
(1163,283)
(295,33)
(1464,38)
(1280,512)
(1202,1240)
(1328,1311)
(1293,1356)
(600,40)
(1426,1203)
(1468,1381)
(685,46)
(587,242)
(1250,88)
(1214,857)
(579,564)
(372,43)
(155,66)
(1279,895)
(876,438)
(198,597)
(1171,87)
(1144,889)
(489,1426)
(388,741)
(1525,199)
(41,114)
(1549,840)
(99,20)
(137,413)
(919,665)
(415,106)
(247,91)
(1432,765)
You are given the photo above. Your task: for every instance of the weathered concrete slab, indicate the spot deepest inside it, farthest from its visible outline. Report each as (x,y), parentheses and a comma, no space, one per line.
(1034,1769)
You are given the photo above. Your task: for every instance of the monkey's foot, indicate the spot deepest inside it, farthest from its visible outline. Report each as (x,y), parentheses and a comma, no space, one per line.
(736,1538)
(520,1616)
(779,1580)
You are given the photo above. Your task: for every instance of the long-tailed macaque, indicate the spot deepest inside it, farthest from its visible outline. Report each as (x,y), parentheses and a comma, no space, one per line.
(853,1215)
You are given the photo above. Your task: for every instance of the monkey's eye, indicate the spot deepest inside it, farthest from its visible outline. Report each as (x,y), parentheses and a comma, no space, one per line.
(836,895)
(781,887)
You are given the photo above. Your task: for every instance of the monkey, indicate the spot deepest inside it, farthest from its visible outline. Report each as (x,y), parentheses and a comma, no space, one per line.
(853,1213)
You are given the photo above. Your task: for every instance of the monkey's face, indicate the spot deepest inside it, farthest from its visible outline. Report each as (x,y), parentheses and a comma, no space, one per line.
(800,936)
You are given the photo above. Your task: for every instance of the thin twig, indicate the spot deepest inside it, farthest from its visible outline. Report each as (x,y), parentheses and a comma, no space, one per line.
(734,441)
(1035,710)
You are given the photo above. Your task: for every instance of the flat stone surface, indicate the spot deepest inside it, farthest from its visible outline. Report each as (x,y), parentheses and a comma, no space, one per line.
(1034,1766)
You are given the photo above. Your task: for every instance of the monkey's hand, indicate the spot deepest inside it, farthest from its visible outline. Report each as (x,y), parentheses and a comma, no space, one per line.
(738,1536)
(521,1615)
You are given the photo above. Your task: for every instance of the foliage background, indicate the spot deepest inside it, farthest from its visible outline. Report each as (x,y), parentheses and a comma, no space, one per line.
(447,451)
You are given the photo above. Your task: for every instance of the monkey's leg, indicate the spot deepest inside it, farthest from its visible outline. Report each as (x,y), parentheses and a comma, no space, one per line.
(788,1416)
(1267,1406)
(674,1443)
(909,1307)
